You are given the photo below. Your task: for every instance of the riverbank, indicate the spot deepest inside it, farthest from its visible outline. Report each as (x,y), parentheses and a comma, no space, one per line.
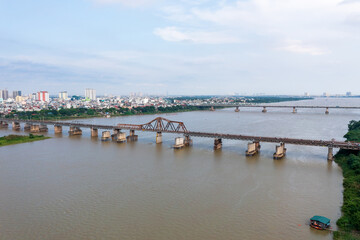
(83,113)
(16,139)
(349,161)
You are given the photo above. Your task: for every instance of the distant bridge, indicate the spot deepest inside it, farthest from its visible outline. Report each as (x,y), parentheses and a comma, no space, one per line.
(265,106)
(162,125)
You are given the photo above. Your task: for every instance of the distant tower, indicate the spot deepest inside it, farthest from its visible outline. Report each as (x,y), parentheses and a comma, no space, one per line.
(43,96)
(63,95)
(90,94)
(16,93)
(4,94)
(348,94)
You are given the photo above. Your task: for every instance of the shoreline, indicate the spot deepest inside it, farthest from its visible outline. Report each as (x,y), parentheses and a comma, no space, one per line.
(13,139)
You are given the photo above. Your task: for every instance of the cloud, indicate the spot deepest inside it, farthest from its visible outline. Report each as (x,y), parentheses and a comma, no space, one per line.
(296,46)
(173,34)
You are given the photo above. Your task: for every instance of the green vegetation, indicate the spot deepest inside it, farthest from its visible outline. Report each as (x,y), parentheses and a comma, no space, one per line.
(15,139)
(72,113)
(349,161)
(248,100)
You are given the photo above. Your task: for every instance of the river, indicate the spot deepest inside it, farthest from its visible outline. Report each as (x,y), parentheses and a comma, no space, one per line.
(81,188)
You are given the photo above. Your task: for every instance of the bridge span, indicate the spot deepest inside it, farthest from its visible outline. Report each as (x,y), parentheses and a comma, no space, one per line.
(162,125)
(266,106)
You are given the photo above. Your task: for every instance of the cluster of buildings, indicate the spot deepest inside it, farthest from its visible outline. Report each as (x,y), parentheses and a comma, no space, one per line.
(42,100)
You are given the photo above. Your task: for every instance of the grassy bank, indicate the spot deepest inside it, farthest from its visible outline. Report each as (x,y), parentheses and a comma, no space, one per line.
(349,161)
(16,139)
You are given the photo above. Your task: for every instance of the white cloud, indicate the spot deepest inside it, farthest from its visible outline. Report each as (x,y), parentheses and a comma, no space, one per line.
(296,46)
(173,34)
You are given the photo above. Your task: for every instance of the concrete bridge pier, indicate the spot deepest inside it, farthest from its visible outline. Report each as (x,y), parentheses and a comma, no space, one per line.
(217,143)
(327,111)
(75,131)
(179,143)
(34,128)
(188,141)
(264,110)
(94,132)
(237,109)
(57,129)
(253,148)
(294,110)
(280,151)
(132,137)
(4,124)
(16,126)
(106,136)
(43,128)
(158,137)
(115,133)
(27,126)
(330,156)
(121,137)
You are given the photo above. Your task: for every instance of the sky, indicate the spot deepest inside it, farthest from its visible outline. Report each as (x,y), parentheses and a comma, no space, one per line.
(183,47)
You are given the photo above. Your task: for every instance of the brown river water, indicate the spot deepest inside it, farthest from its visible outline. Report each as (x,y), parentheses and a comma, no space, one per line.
(81,188)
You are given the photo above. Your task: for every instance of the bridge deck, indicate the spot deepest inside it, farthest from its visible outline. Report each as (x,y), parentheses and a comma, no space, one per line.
(276,106)
(307,142)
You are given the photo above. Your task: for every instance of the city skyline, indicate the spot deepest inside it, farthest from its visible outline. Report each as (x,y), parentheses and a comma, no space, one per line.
(180,47)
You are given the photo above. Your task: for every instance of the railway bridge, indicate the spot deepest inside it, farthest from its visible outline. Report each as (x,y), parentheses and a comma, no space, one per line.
(162,125)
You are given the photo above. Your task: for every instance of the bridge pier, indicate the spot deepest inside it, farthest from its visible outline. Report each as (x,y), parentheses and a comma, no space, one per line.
(132,137)
(115,133)
(253,148)
(94,132)
(280,151)
(34,128)
(27,126)
(217,143)
(264,110)
(4,124)
(237,109)
(57,129)
(43,128)
(179,143)
(16,126)
(106,136)
(330,156)
(158,137)
(212,108)
(188,141)
(327,111)
(121,137)
(75,131)
(294,110)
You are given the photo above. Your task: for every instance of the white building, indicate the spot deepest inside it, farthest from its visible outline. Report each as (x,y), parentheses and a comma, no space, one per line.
(63,95)
(43,96)
(90,94)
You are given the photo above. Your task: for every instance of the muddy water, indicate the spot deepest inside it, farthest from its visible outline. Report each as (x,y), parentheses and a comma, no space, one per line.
(82,188)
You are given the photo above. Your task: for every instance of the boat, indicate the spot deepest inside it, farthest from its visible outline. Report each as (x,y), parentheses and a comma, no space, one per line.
(319,222)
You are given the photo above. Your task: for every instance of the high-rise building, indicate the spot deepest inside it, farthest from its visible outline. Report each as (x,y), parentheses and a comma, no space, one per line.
(16,93)
(90,94)
(4,94)
(63,95)
(348,94)
(43,96)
